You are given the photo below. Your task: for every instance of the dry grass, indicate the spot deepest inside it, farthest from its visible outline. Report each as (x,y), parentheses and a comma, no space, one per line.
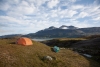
(63,39)
(13,55)
(63,42)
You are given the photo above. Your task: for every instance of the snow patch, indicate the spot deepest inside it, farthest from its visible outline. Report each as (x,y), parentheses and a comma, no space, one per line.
(64,28)
(87,55)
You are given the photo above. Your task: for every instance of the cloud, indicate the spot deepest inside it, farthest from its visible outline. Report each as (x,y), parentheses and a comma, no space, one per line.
(8,19)
(37,3)
(24,8)
(4,6)
(7,4)
(2,31)
(52,3)
(28,16)
(76,7)
(67,13)
(2,25)
(97,18)
(97,2)
(83,14)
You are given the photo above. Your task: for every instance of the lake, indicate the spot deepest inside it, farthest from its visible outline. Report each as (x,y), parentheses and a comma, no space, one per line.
(42,39)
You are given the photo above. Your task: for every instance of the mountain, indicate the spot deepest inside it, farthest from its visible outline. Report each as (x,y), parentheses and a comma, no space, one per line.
(61,27)
(11,36)
(65,31)
(50,28)
(62,31)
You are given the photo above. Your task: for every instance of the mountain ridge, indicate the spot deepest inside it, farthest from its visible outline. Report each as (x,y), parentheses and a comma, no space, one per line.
(71,32)
(61,27)
(54,32)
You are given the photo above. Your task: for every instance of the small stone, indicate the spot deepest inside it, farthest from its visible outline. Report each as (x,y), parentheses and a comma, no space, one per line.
(48,58)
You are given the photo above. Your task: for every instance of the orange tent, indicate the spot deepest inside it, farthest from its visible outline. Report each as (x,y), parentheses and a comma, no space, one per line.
(24,41)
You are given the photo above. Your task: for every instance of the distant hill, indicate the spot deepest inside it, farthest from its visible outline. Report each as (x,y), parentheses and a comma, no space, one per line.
(11,36)
(65,31)
(14,55)
(62,31)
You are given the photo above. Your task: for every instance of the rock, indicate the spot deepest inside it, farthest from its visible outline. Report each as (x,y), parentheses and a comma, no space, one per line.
(48,58)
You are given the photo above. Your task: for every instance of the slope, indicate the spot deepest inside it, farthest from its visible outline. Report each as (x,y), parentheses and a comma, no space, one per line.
(13,55)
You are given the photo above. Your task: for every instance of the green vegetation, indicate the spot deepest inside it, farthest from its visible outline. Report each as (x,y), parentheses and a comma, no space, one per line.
(13,55)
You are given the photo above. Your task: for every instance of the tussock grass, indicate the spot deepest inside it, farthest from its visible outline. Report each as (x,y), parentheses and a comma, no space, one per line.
(13,55)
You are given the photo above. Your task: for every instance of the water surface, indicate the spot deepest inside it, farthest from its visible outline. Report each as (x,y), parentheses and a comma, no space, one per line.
(42,39)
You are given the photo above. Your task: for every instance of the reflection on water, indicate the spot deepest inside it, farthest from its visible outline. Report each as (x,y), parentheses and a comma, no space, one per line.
(37,39)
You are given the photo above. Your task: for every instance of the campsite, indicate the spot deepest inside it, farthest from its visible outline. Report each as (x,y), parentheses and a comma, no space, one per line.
(49,33)
(35,55)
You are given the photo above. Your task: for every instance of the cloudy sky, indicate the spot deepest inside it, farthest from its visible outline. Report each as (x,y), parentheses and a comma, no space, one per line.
(30,16)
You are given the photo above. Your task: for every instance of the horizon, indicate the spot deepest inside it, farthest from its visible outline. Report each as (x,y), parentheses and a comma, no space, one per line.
(43,29)
(30,16)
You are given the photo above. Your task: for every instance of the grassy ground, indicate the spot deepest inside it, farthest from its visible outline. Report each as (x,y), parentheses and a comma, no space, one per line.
(90,45)
(63,42)
(13,55)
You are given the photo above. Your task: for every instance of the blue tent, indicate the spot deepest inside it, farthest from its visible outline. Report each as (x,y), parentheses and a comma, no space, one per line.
(56,49)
